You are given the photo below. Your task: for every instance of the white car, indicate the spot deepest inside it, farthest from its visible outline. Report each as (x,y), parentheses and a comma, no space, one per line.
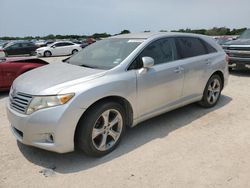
(58,48)
(2,54)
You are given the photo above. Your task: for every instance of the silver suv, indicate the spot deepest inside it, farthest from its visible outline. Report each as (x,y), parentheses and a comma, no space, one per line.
(88,100)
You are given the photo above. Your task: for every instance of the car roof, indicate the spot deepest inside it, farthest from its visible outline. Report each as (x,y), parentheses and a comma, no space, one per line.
(62,41)
(147,35)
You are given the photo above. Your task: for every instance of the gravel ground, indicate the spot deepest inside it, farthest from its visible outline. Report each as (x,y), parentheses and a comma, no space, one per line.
(188,147)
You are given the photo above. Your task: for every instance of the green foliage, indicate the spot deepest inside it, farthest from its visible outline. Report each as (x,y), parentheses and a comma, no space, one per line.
(125,31)
(216,31)
(100,35)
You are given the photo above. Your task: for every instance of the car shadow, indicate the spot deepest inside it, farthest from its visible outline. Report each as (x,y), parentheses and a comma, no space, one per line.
(158,127)
(3,94)
(240,72)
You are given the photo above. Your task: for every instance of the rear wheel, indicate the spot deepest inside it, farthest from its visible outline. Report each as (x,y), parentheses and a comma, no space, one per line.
(212,92)
(47,54)
(100,130)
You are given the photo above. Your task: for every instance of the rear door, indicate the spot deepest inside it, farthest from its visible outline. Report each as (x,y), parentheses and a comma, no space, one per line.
(196,63)
(161,85)
(28,48)
(68,48)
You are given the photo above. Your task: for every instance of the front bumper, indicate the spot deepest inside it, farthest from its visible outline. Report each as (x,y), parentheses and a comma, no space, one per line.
(235,62)
(39,53)
(51,129)
(238,58)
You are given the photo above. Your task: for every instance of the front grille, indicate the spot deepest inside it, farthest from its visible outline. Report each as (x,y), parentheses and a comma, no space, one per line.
(239,48)
(19,101)
(239,55)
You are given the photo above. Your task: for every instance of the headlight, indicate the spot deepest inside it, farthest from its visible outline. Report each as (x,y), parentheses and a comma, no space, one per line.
(40,102)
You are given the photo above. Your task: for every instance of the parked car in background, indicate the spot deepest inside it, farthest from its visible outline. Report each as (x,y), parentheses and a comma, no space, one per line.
(76,41)
(90,41)
(89,100)
(223,39)
(3,44)
(20,48)
(11,68)
(58,49)
(2,54)
(47,43)
(40,43)
(239,51)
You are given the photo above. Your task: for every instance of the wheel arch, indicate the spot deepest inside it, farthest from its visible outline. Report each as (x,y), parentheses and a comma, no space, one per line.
(221,75)
(47,51)
(129,113)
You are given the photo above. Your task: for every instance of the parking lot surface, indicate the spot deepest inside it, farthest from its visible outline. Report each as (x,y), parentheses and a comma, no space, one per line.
(188,147)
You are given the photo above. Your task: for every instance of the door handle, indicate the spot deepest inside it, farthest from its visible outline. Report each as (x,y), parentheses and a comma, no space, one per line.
(178,69)
(208,62)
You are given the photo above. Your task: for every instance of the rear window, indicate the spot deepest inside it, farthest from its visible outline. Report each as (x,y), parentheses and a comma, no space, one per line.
(190,47)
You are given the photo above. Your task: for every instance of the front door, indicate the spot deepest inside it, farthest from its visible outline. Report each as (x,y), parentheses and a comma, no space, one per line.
(160,86)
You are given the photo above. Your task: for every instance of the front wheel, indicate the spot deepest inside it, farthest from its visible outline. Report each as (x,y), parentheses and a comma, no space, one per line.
(74,51)
(212,92)
(47,54)
(100,130)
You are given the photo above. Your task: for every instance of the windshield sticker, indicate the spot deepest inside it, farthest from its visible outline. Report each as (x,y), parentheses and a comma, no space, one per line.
(136,40)
(117,61)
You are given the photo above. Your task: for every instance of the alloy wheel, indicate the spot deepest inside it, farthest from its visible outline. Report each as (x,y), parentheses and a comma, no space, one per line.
(214,89)
(107,130)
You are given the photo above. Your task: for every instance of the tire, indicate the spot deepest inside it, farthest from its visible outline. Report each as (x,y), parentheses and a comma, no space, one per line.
(106,136)
(74,51)
(32,53)
(212,92)
(47,54)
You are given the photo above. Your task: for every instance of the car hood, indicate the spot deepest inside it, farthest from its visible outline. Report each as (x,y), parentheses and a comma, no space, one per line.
(51,79)
(239,42)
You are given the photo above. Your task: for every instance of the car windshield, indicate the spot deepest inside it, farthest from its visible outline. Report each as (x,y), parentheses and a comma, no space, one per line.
(105,54)
(245,34)
(9,44)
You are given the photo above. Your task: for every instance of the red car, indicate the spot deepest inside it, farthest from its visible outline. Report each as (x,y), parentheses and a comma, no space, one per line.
(11,68)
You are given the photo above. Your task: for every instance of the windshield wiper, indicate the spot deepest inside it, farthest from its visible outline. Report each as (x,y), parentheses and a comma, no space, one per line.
(88,66)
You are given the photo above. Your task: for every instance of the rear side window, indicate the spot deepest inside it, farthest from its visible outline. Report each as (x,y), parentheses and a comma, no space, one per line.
(190,47)
(209,48)
(68,44)
(27,44)
(59,44)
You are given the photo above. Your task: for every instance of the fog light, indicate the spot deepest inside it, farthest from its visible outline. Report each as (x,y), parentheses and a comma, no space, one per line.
(49,138)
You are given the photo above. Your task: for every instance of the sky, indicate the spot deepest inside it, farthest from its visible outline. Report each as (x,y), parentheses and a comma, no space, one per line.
(43,17)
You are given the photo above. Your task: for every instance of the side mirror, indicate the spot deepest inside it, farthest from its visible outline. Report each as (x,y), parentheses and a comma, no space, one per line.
(148,62)
(53,46)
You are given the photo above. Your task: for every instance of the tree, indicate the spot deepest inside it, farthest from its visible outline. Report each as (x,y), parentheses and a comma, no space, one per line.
(125,31)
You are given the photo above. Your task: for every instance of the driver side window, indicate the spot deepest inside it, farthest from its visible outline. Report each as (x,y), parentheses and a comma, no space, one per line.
(162,51)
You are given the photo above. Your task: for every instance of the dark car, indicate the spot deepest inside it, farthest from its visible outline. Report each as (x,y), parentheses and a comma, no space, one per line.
(11,68)
(20,48)
(238,51)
